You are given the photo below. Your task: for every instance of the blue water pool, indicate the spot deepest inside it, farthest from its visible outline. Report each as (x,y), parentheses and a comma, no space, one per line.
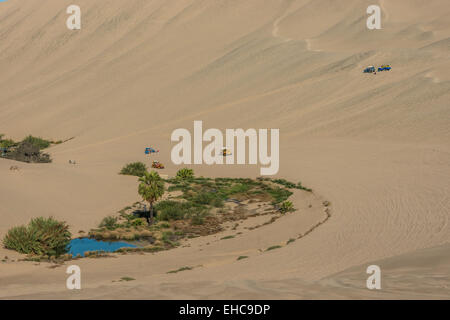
(81,245)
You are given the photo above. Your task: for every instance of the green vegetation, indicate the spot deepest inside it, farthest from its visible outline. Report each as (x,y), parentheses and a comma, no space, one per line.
(130,221)
(97,254)
(242,257)
(151,188)
(149,249)
(290,241)
(127,279)
(273,248)
(108,222)
(137,169)
(198,216)
(185,174)
(168,210)
(42,237)
(227,237)
(181,269)
(196,209)
(6,143)
(37,142)
(287,184)
(279,194)
(213,192)
(286,206)
(164,225)
(28,150)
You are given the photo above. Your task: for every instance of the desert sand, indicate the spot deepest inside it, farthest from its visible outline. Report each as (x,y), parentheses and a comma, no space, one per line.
(376,146)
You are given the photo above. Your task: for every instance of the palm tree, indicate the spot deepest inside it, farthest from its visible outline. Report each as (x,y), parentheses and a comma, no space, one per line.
(151,188)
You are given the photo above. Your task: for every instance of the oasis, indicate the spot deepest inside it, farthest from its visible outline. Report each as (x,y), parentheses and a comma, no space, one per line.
(216,152)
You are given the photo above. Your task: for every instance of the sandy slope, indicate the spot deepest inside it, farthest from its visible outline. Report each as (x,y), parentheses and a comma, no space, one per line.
(376,146)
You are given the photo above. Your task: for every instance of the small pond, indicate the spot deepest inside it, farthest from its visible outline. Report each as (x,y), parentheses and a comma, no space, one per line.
(81,245)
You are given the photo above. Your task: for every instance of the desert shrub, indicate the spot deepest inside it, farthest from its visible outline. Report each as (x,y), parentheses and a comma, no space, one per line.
(285,183)
(164,225)
(279,194)
(134,169)
(227,237)
(172,210)
(291,185)
(42,237)
(37,142)
(180,269)
(198,216)
(136,222)
(299,186)
(7,143)
(238,188)
(214,199)
(166,235)
(127,279)
(217,202)
(28,152)
(203,198)
(185,174)
(286,206)
(185,187)
(108,223)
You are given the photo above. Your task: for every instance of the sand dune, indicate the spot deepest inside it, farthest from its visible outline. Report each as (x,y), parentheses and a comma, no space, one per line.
(376,146)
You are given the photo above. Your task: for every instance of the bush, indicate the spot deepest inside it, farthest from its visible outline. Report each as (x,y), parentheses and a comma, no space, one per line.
(217,202)
(164,225)
(203,198)
(136,222)
(285,183)
(37,142)
(134,169)
(198,216)
(181,269)
(185,174)
(286,206)
(299,186)
(42,237)
(172,210)
(291,185)
(28,152)
(7,143)
(208,198)
(279,194)
(238,188)
(108,223)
